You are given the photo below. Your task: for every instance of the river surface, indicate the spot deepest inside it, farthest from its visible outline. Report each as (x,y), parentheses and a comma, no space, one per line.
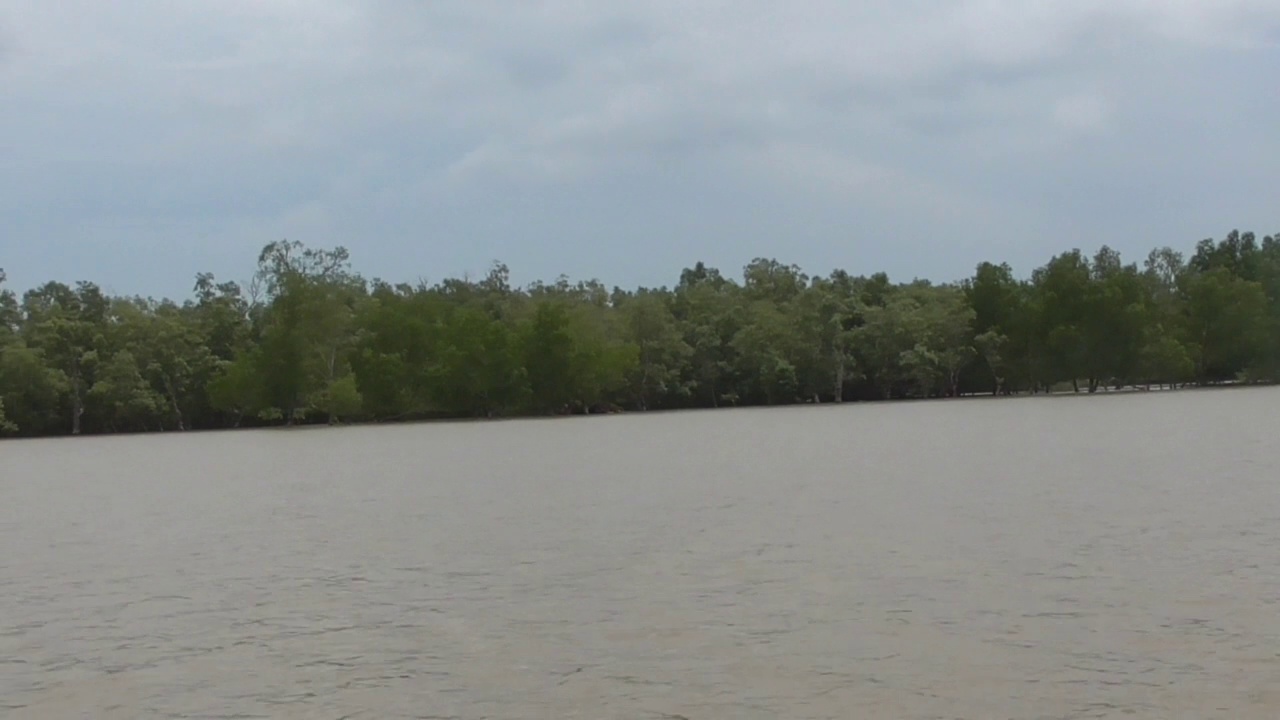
(1042,558)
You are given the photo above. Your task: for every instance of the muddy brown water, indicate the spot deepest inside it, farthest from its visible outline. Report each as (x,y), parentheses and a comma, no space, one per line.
(1093,557)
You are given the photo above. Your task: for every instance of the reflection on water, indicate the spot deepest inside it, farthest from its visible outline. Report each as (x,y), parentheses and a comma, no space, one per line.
(1032,558)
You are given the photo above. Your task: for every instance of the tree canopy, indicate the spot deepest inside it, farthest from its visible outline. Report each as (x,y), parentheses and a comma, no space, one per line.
(308,340)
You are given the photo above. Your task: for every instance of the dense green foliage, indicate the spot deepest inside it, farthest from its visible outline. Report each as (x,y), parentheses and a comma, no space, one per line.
(308,340)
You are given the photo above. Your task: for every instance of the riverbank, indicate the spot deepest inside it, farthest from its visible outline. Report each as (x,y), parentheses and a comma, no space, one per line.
(969,397)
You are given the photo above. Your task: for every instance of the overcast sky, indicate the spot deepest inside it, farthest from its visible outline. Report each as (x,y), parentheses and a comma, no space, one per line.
(144,141)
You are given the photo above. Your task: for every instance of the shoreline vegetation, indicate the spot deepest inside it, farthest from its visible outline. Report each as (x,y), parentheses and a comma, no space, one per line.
(308,341)
(1058,394)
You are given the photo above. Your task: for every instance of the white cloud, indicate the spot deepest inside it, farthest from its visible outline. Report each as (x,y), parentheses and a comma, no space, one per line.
(306,72)
(1084,112)
(1222,23)
(942,109)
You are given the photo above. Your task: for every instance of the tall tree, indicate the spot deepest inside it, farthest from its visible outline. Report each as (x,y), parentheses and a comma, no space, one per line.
(1064,289)
(1226,323)
(661,351)
(9,318)
(1117,317)
(710,313)
(66,325)
(825,315)
(307,326)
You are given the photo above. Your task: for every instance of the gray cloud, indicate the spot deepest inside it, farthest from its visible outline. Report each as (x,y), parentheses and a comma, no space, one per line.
(626,139)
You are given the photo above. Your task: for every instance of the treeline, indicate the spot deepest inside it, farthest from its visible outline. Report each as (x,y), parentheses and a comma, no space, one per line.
(308,340)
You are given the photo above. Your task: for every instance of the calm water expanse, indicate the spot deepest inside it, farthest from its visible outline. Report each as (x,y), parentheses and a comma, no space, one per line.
(1090,557)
